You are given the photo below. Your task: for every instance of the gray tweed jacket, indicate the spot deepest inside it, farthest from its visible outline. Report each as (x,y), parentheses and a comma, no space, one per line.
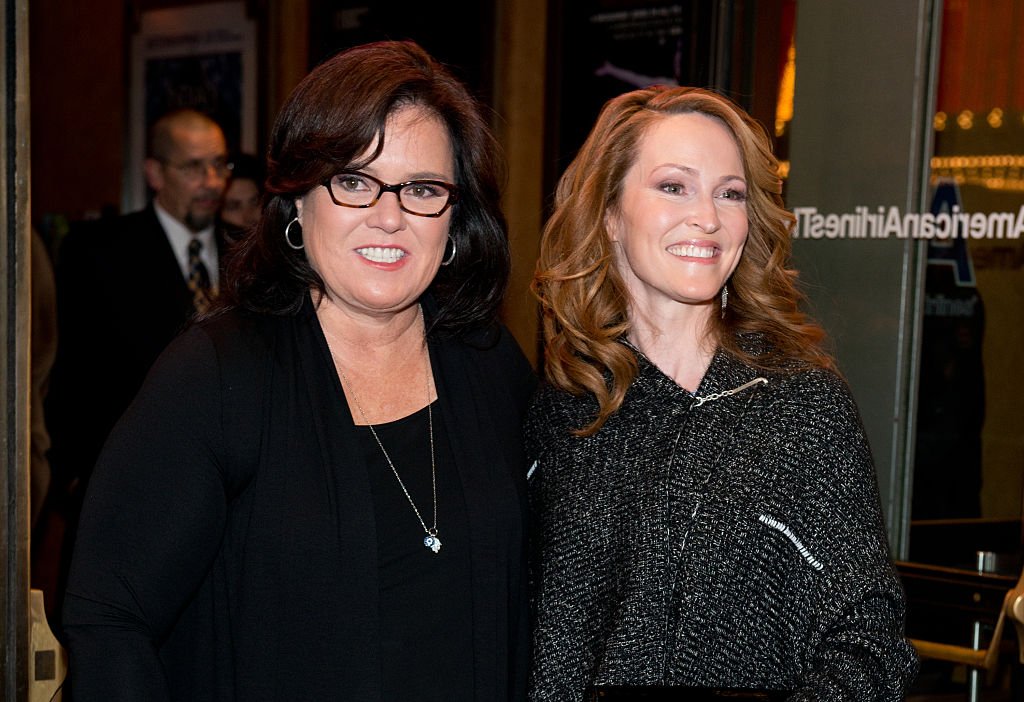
(736,541)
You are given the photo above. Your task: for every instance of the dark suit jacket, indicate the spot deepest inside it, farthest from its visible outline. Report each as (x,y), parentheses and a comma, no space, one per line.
(121,298)
(227,547)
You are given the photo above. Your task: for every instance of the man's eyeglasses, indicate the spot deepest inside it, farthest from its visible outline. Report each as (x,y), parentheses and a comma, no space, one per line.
(197,168)
(426,198)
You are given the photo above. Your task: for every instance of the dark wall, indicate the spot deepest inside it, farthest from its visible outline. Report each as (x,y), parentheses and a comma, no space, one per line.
(459,33)
(76,73)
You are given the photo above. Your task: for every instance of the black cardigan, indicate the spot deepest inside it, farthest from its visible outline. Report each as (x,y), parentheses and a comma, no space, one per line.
(227,547)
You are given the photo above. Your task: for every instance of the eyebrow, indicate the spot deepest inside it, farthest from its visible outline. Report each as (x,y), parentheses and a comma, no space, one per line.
(419,175)
(693,171)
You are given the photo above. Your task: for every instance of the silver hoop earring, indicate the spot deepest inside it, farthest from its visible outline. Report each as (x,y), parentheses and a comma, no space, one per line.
(288,238)
(454,249)
(725,298)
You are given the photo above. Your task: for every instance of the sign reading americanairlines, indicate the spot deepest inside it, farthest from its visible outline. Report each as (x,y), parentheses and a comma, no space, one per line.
(888,223)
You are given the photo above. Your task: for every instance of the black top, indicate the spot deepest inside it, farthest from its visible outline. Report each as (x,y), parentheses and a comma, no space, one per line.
(228,545)
(425,614)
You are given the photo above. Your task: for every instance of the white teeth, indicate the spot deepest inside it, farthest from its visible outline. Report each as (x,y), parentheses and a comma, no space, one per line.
(692,251)
(381,254)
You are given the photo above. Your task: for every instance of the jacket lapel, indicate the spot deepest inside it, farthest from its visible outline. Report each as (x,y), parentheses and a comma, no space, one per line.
(343,475)
(481,472)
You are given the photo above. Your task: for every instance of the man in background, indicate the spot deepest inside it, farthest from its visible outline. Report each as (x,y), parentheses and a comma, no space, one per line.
(126,286)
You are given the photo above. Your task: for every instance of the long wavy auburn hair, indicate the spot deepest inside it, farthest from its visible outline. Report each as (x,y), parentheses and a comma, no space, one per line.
(583,298)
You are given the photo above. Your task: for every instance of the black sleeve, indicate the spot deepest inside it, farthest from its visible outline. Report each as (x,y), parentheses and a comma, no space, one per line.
(521,382)
(858,649)
(523,378)
(151,526)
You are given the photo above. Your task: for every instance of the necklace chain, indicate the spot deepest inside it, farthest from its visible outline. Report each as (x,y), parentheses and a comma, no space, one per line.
(726,393)
(432,541)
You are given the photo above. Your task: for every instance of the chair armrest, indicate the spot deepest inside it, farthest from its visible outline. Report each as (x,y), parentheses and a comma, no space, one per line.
(1014,609)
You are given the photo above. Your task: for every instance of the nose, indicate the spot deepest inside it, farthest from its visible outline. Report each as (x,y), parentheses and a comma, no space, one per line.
(704,214)
(387,215)
(214,177)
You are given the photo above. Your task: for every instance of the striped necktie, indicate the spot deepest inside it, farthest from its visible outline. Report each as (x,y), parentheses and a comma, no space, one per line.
(198,277)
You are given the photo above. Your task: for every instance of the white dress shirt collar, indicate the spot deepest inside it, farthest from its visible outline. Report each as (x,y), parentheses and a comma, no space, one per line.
(179,236)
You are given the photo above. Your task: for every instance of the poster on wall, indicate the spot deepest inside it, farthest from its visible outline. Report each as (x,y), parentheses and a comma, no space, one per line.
(203,57)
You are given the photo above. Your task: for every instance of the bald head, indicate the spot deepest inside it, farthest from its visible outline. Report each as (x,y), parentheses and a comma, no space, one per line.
(162,142)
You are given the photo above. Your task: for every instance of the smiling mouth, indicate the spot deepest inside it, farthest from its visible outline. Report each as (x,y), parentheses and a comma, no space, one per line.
(381,254)
(691,251)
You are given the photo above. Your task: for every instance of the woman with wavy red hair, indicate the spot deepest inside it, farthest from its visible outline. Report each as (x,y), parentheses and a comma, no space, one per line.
(707,513)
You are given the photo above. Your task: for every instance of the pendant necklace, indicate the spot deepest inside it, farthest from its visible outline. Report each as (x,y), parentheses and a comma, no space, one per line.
(431,540)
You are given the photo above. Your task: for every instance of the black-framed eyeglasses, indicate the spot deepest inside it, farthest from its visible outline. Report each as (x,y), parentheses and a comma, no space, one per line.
(425,198)
(197,169)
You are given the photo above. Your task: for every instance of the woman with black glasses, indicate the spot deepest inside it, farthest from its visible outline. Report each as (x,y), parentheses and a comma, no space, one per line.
(318,494)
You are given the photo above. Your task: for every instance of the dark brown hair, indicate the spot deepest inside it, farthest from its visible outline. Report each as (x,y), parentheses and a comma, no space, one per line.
(584,300)
(338,112)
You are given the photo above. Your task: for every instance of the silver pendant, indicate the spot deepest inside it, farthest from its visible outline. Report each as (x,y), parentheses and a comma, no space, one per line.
(432,542)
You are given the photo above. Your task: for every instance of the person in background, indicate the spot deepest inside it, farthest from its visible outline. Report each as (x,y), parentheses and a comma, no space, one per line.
(241,208)
(126,286)
(319,493)
(707,513)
